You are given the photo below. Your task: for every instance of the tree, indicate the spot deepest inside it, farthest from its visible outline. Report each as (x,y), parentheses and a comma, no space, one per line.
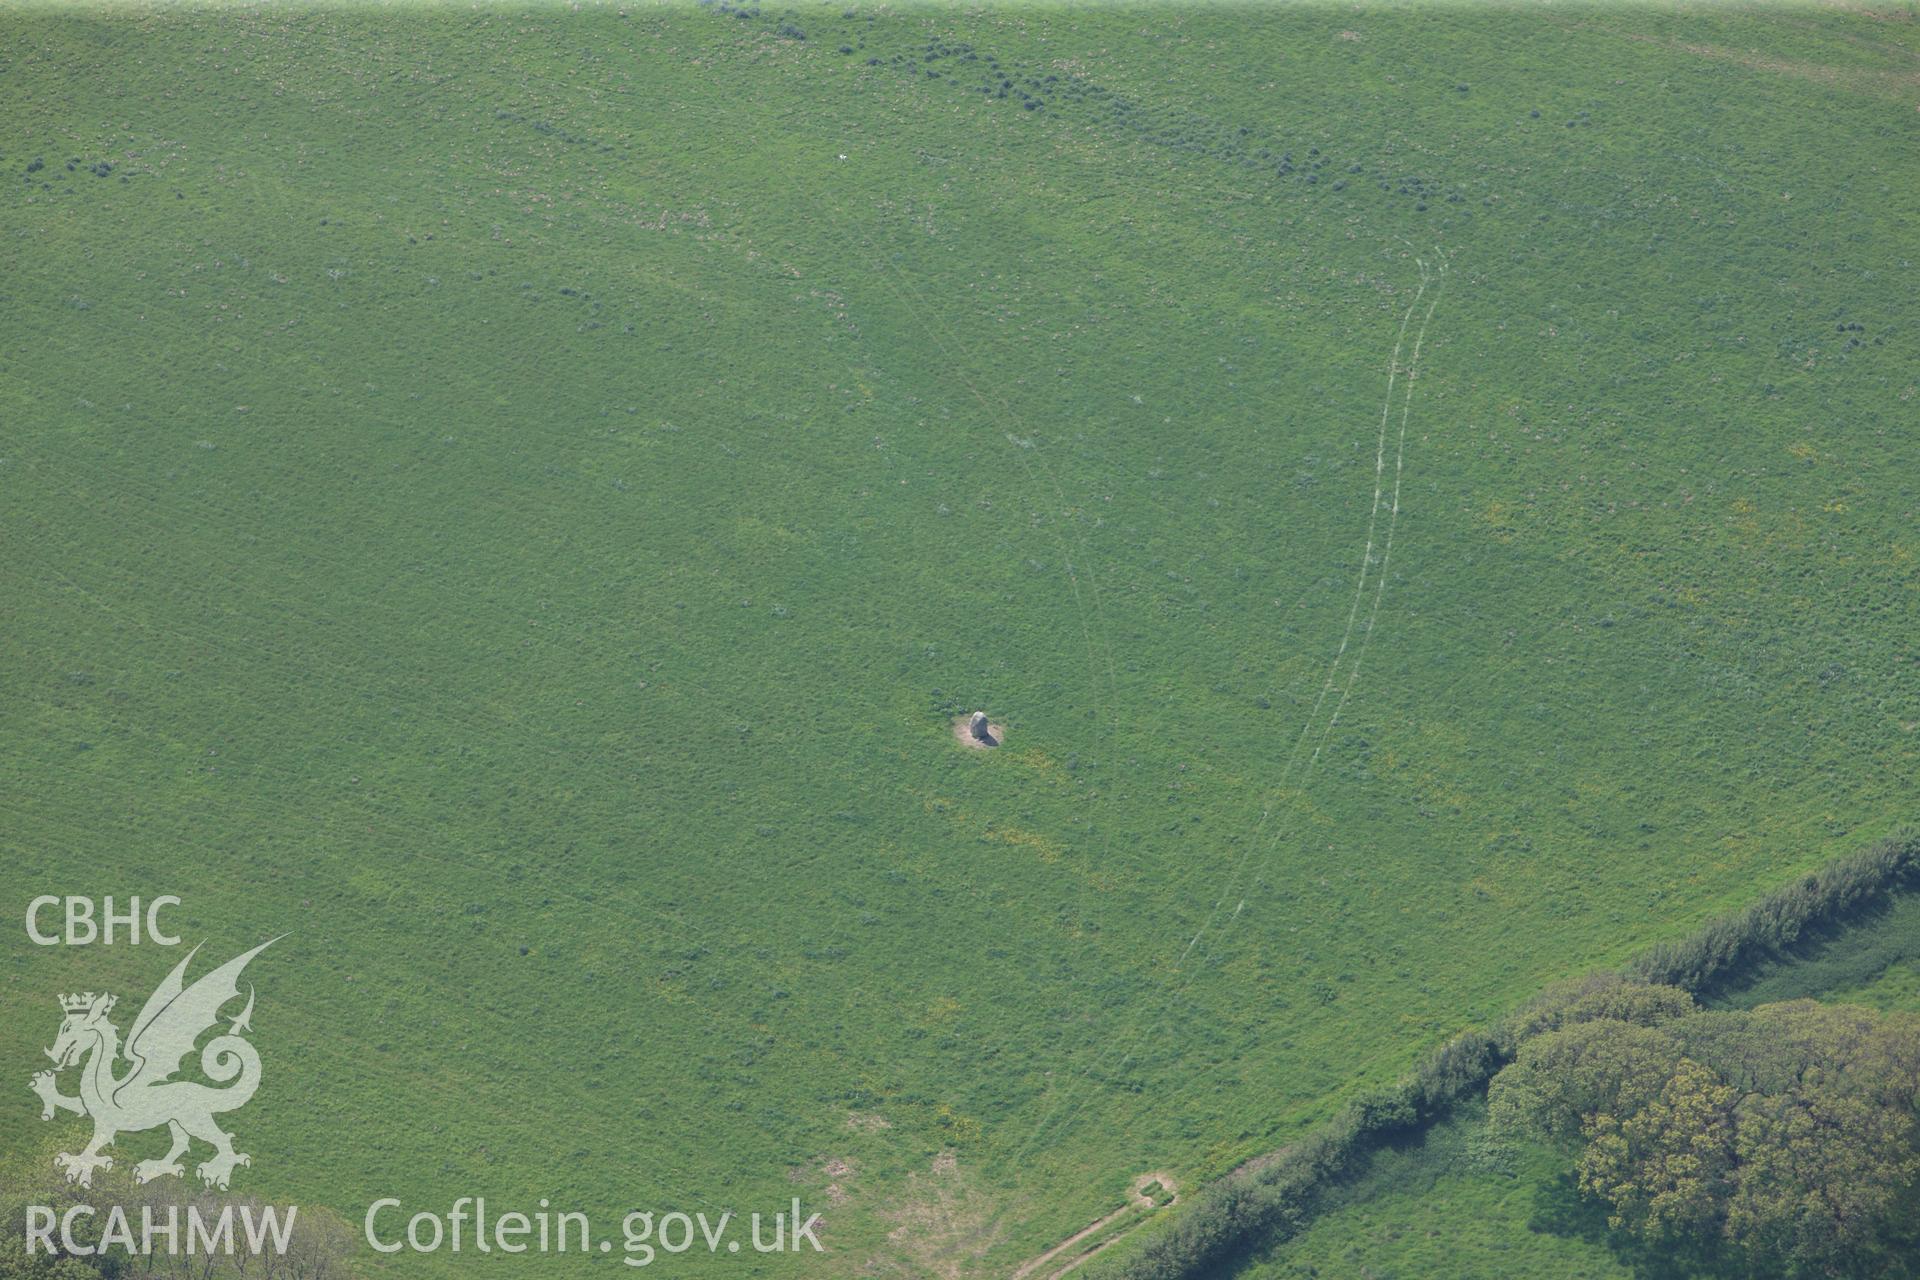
(1666,1167)
(1562,1078)
(1785,1138)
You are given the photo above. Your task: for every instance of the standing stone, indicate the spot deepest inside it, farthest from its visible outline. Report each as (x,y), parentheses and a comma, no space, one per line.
(978,728)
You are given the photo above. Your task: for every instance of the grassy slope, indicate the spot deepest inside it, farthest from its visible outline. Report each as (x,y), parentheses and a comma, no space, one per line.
(491,481)
(1897,987)
(1443,1209)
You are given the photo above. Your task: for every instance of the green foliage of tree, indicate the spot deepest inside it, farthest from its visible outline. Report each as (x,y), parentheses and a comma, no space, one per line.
(1665,1166)
(17,1264)
(1781,1141)
(1563,1078)
(321,1244)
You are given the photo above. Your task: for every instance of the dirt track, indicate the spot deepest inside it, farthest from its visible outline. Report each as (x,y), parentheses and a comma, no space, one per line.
(1138,1205)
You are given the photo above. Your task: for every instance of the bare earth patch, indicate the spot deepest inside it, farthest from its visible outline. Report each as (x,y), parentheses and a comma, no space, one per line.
(998,732)
(944,1224)
(1145,1180)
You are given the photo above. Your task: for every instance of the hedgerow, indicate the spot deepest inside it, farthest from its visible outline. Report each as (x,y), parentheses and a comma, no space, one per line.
(1719,950)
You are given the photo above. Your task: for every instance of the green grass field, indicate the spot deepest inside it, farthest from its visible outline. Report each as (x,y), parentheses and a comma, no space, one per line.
(514,497)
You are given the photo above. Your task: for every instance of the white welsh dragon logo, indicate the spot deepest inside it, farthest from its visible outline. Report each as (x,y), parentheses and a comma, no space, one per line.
(147,1096)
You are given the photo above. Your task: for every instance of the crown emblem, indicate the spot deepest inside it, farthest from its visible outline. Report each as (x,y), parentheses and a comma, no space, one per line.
(82,1003)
